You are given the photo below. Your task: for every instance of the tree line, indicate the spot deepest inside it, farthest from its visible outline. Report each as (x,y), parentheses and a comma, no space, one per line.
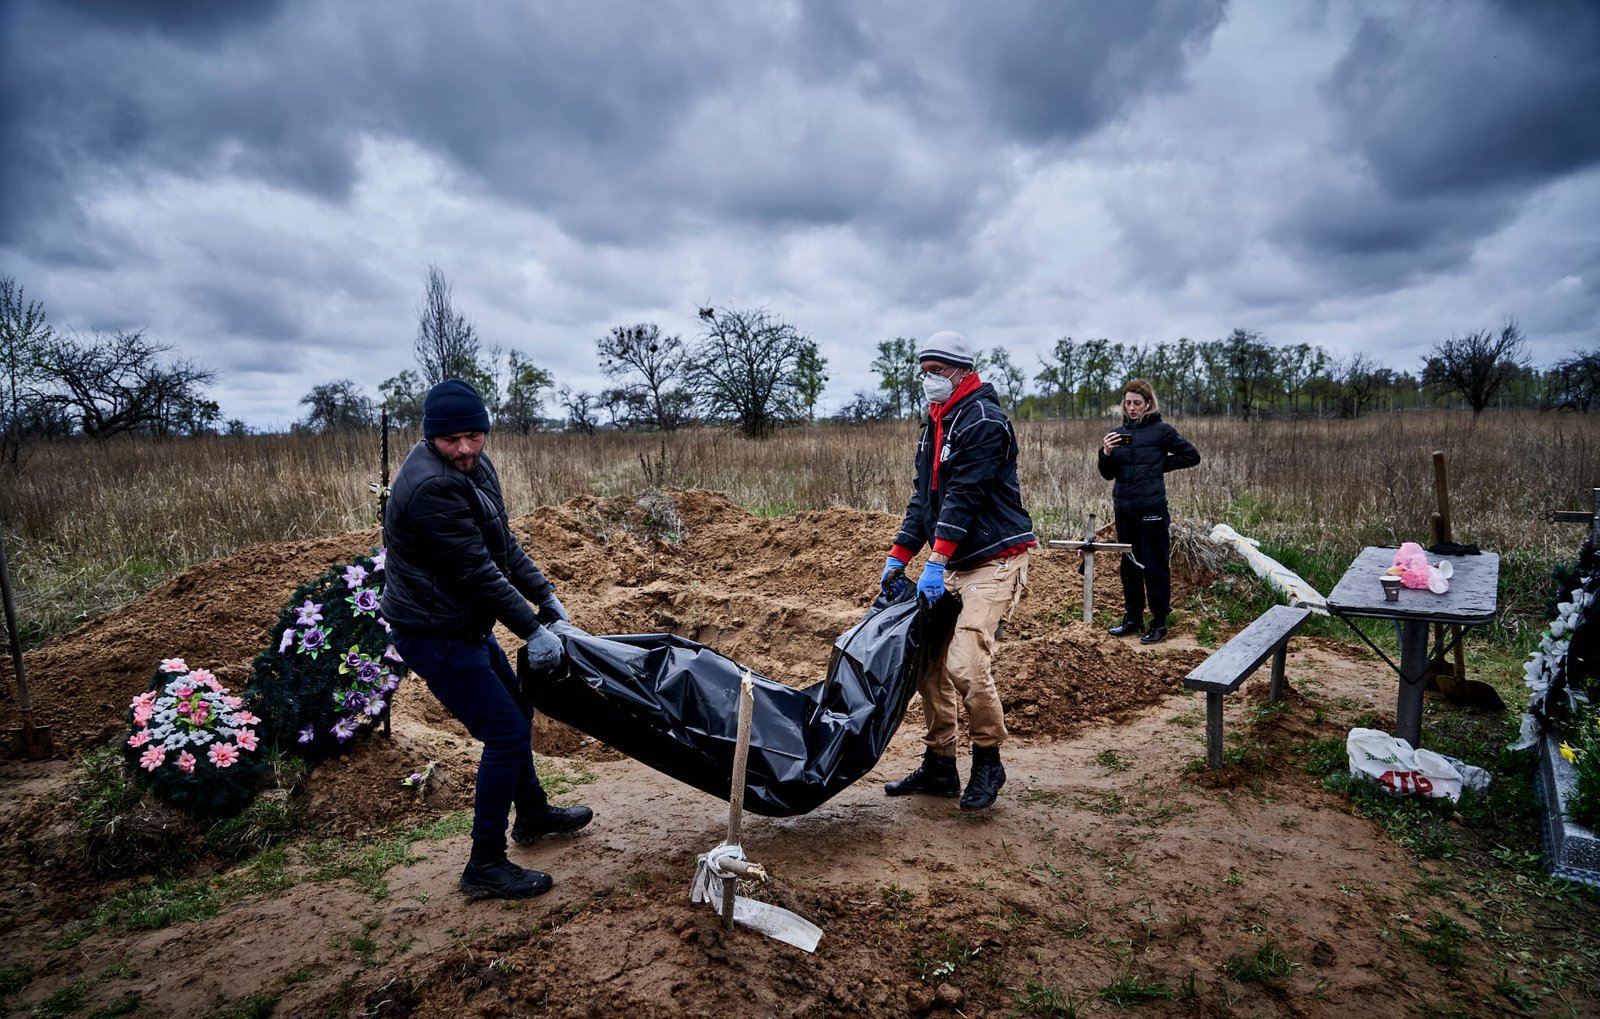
(751,370)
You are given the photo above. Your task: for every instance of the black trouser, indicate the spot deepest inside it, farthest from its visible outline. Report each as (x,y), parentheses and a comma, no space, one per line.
(476,684)
(1144,567)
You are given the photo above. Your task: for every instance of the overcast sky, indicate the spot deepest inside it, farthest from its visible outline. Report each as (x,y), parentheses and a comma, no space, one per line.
(263,183)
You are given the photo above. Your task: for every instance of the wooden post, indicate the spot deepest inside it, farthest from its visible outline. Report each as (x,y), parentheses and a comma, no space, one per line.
(31,740)
(741,756)
(1088,576)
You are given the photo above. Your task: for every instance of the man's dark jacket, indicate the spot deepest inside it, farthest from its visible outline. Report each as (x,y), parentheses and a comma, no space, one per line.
(1138,466)
(453,567)
(977,504)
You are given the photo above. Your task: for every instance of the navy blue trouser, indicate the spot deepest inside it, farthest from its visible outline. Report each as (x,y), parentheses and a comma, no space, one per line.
(1144,567)
(477,684)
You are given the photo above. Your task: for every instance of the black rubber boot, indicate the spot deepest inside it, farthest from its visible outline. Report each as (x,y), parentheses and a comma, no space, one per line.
(988,775)
(935,776)
(548,820)
(490,875)
(1126,628)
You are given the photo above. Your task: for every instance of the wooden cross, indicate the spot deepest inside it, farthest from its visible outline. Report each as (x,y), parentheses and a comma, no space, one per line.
(1089,547)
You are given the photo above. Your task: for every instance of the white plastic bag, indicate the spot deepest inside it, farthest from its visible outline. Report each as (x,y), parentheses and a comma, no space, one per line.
(1401,771)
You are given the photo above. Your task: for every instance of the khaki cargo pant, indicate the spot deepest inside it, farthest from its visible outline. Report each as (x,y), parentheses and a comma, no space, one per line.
(962,674)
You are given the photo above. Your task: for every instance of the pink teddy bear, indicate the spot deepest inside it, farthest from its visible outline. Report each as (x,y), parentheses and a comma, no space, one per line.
(1416,573)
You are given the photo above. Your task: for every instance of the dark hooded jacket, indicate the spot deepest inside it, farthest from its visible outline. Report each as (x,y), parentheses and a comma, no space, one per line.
(1138,467)
(453,566)
(977,503)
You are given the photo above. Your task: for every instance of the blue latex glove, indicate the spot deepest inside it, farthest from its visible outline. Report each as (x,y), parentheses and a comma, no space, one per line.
(551,609)
(931,584)
(544,650)
(893,589)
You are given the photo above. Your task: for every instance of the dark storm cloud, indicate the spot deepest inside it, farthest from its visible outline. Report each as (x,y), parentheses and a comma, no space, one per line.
(616,118)
(1445,119)
(1475,98)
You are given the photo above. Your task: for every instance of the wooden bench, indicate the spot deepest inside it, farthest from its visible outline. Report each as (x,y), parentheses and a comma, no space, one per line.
(1232,663)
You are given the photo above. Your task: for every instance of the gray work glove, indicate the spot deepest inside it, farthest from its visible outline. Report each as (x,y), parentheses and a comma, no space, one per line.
(551,609)
(544,650)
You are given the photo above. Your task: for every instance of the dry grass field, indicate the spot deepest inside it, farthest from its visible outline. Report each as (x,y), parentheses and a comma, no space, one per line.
(91,526)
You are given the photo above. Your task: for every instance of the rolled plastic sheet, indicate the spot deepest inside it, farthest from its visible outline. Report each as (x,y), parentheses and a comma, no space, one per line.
(673,704)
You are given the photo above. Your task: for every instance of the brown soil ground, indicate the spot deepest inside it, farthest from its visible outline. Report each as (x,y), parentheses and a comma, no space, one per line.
(1109,860)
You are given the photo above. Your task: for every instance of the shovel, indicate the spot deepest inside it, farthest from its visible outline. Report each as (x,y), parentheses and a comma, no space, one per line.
(1450,678)
(30,740)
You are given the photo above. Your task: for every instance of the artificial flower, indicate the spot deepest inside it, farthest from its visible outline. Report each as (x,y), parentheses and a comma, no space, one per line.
(173,665)
(308,614)
(354,575)
(223,755)
(152,757)
(186,763)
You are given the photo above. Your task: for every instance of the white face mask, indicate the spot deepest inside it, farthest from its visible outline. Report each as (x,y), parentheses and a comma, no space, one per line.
(937,388)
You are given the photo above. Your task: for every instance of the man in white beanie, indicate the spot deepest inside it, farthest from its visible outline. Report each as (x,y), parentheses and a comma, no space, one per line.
(968,505)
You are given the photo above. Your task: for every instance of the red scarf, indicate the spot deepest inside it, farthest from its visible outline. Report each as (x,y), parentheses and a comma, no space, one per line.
(936,412)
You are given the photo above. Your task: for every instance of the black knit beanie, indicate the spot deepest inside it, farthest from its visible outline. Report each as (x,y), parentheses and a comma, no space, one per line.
(453,406)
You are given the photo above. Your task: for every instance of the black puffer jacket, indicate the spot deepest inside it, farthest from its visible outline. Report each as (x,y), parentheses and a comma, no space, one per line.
(453,566)
(978,504)
(1138,467)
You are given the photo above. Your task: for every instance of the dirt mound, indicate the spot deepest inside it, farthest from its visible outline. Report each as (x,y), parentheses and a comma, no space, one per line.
(771,593)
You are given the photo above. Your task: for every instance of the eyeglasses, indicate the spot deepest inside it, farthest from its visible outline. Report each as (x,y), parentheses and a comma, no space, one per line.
(945,374)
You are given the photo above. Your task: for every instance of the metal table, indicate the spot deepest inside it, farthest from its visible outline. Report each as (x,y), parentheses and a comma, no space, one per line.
(1471,601)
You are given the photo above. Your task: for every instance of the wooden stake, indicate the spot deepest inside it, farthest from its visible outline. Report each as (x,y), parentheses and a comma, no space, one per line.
(741,756)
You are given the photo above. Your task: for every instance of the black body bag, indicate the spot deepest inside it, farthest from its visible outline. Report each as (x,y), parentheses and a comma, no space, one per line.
(673,704)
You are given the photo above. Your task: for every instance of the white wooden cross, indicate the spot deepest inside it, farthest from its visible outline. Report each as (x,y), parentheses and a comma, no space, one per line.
(1088,546)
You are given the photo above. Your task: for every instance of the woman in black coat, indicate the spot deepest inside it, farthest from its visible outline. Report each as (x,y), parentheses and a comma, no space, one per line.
(1136,456)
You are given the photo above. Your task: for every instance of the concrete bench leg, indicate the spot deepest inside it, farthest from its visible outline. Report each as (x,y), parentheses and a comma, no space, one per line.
(1275,693)
(1214,728)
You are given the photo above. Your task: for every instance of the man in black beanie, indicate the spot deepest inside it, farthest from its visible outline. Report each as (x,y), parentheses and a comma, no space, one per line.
(454,568)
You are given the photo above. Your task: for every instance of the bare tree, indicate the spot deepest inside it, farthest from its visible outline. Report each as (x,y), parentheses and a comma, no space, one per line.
(651,366)
(1357,384)
(119,383)
(1574,382)
(1477,365)
(447,344)
(338,406)
(580,406)
(754,370)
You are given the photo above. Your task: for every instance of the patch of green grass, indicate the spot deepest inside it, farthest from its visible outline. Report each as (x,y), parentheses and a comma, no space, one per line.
(1321,757)
(953,951)
(122,1006)
(1267,962)
(66,1002)
(1419,824)
(1110,760)
(1046,1001)
(14,979)
(1134,989)
(557,782)
(257,1006)
(1443,946)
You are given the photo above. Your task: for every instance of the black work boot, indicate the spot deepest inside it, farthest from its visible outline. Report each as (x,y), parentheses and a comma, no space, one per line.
(935,776)
(548,820)
(988,775)
(489,874)
(1126,628)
